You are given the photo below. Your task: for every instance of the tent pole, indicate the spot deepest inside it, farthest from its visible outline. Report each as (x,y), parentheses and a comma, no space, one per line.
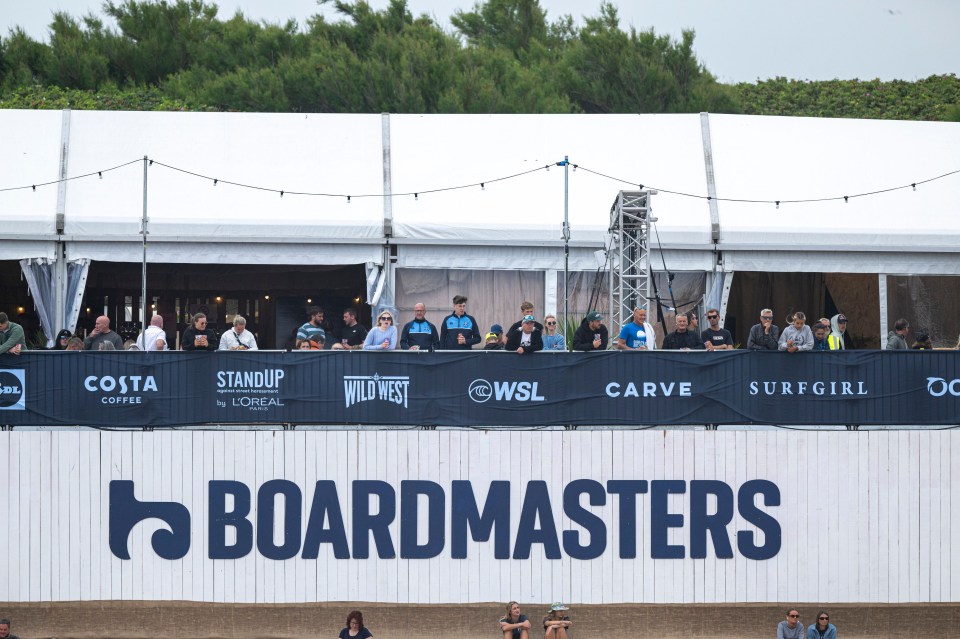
(568,340)
(143,275)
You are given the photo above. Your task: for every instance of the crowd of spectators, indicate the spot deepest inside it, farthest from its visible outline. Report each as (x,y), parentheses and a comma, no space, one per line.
(461,331)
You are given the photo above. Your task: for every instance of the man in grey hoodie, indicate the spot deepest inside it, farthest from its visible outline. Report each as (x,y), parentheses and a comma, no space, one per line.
(897,338)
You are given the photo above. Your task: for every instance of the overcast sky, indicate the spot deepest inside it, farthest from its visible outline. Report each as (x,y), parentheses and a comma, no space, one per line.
(737,40)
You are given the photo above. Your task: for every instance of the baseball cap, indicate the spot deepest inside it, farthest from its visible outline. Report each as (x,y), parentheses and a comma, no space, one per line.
(593,316)
(841,317)
(529,318)
(558,606)
(491,336)
(496,328)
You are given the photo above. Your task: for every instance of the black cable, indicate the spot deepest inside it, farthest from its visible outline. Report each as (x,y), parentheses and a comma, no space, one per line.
(349,196)
(845,198)
(68,179)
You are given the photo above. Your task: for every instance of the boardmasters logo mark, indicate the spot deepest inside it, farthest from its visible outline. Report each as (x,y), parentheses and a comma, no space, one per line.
(12,392)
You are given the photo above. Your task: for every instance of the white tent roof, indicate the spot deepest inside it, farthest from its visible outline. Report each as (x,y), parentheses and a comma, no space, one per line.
(512,223)
(781,158)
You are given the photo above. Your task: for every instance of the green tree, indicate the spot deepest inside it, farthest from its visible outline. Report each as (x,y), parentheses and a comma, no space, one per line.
(508,24)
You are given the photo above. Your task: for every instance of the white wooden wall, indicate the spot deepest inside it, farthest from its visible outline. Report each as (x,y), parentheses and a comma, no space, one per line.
(866,517)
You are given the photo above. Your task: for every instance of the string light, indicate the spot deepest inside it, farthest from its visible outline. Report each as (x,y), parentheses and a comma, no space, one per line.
(482,185)
(69,179)
(845,198)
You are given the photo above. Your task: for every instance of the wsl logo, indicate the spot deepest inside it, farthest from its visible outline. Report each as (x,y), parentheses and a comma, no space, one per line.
(12,394)
(480,391)
(938,386)
(385,388)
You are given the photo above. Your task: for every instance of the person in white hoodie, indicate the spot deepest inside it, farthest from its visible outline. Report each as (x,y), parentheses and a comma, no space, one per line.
(638,335)
(797,336)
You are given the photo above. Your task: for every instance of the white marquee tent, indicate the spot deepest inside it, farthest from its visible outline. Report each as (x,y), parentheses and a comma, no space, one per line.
(514,224)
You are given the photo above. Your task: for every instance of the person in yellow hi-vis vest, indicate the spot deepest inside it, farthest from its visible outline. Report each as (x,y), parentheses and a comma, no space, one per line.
(839,339)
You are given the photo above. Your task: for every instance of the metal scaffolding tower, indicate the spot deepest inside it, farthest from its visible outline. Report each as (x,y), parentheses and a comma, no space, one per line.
(628,258)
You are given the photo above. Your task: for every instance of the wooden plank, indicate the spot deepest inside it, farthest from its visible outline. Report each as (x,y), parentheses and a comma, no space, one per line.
(945,447)
(927,492)
(906,487)
(16,538)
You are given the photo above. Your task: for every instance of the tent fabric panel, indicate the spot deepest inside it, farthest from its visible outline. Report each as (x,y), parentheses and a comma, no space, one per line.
(27,249)
(228,253)
(186,230)
(465,149)
(29,153)
(320,153)
(788,158)
(843,262)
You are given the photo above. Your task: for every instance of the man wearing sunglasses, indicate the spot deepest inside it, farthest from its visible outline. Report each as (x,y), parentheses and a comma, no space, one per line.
(716,338)
(764,336)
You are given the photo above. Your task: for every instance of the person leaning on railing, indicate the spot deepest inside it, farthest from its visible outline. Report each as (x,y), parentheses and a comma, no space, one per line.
(197,337)
(11,336)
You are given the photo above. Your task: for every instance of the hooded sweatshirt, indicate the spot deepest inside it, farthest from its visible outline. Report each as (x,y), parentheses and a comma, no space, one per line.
(895,342)
(583,338)
(836,339)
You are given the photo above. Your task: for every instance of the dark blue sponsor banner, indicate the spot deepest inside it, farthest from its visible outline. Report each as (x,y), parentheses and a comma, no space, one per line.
(480,388)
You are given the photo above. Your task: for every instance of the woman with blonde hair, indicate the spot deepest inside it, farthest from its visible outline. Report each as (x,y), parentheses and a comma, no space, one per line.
(383,336)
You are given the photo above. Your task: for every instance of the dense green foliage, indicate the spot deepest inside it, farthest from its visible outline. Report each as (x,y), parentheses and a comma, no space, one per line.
(936,98)
(504,56)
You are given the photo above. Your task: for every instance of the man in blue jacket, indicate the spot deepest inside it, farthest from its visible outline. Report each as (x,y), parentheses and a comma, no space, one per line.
(419,334)
(459,330)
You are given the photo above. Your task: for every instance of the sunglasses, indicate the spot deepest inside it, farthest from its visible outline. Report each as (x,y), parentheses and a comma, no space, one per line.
(713,317)
(793,616)
(824,618)
(766,317)
(385,319)
(548,324)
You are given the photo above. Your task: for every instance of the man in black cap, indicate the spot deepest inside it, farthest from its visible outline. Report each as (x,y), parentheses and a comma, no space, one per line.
(592,334)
